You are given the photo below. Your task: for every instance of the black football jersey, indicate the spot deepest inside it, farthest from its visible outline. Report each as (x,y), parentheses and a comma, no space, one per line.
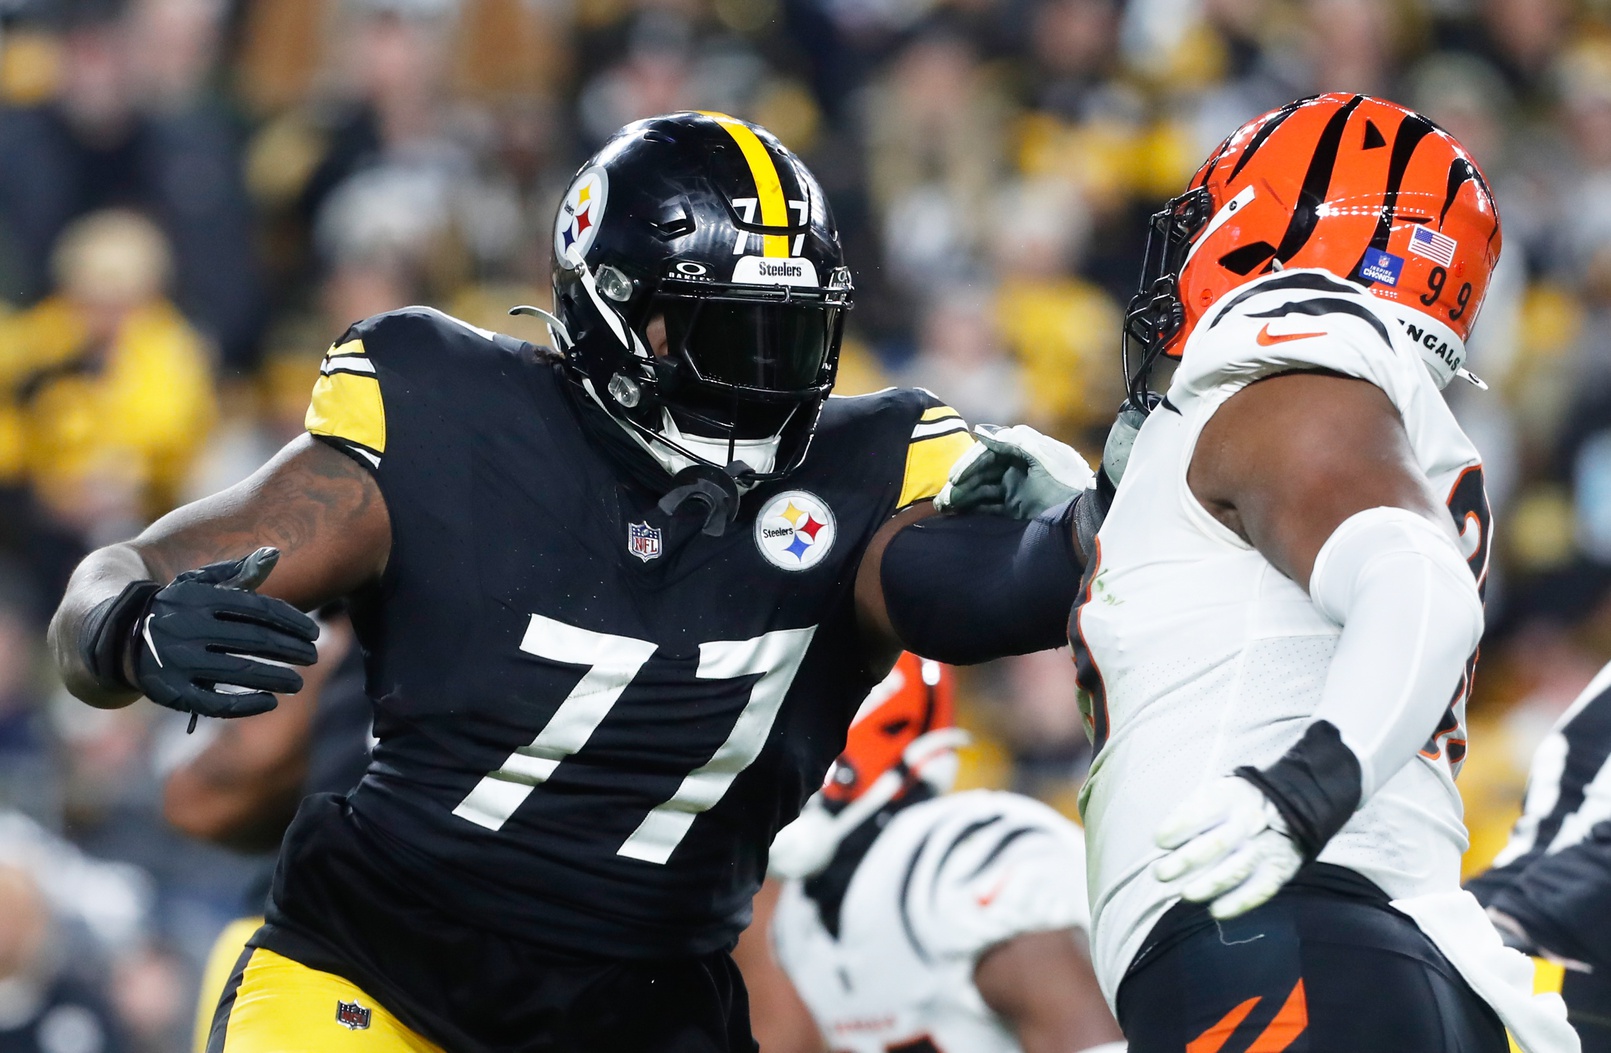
(591,717)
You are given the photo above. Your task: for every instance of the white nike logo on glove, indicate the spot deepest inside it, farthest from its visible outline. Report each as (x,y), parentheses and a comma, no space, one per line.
(145,631)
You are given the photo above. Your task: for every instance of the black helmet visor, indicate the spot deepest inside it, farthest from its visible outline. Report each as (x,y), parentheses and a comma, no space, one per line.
(757,347)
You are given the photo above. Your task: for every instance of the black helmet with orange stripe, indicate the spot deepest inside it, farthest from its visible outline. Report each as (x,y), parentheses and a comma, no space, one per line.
(1365,188)
(700,291)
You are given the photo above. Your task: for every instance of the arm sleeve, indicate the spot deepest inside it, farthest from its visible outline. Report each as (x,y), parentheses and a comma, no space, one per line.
(1411,618)
(1563,900)
(966,589)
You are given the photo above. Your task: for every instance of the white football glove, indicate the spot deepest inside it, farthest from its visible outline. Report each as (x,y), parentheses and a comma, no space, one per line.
(1015,472)
(1228,845)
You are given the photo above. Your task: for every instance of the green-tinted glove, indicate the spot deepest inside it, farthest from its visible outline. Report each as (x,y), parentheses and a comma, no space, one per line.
(1121,440)
(1015,472)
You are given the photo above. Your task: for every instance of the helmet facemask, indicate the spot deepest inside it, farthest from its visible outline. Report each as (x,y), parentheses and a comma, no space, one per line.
(748,371)
(743,373)
(1156,315)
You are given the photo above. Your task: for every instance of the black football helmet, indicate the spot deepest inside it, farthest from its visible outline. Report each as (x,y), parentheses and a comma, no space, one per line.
(703,235)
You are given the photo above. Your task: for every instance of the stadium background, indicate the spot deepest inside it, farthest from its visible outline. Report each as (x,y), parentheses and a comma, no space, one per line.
(197,195)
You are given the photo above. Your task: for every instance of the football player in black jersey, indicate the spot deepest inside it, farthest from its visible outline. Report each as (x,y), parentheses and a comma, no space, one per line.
(618,604)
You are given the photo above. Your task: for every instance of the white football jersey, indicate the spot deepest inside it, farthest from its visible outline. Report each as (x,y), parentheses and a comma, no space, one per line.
(946,880)
(1197,656)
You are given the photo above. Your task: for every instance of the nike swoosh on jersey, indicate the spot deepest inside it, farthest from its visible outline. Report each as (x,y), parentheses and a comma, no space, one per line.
(1266,338)
(987,898)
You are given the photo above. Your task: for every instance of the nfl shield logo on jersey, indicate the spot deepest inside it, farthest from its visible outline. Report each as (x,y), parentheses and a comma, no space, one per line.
(643,541)
(351,1014)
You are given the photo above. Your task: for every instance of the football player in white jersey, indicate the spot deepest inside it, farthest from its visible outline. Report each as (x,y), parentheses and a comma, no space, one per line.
(919,921)
(1275,639)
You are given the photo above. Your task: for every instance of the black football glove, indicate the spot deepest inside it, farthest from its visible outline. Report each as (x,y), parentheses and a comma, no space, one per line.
(207,645)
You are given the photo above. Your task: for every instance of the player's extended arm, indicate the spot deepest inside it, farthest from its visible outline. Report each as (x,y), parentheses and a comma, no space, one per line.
(965,589)
(318,507)
(243,788)
(1316,471)
(1042,985)
(998,572)
(1551,902)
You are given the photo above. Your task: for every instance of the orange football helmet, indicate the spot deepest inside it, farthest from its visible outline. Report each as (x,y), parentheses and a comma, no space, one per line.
(1365,188)
(915,699)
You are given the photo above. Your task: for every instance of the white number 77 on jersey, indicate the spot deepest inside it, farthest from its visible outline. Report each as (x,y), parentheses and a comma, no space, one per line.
(613,661)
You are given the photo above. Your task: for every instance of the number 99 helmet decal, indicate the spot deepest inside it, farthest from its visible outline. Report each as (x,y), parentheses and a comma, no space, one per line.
(700,291)
(1365,188)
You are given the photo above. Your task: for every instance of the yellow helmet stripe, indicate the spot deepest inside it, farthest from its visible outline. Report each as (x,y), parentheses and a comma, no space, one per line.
(768,186)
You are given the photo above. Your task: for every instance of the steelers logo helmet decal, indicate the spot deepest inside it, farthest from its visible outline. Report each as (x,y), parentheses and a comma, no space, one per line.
(580,213)
(795,530)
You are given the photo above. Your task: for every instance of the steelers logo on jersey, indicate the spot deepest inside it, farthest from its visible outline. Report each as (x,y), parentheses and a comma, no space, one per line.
(795,530)
(579,216)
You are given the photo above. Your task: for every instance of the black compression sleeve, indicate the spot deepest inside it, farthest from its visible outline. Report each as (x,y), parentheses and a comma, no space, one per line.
(109,630)
(1315,786)
(1563,900)
(964,589)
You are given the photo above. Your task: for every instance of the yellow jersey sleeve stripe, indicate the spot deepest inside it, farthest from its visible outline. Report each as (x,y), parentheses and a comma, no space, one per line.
(1548,976)
(768,186)
(348,406)
(938,413)
(928,465)
(939,427)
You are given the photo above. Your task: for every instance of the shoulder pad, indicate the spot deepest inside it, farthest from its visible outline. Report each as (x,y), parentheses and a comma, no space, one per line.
(934,434)
(992,866)
(1297,319)
(885,401)
(378,364)
(417,328)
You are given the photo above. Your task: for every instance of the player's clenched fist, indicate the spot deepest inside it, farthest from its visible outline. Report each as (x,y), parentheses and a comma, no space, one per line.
(205,643)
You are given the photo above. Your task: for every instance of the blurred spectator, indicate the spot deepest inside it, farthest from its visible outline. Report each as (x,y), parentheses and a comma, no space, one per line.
(961,357)
(1072,47)
(150,990)
(107,390)
(669,64)
(1043,730)
(1351,45)
(30,779)
(133,126)
(935,151)
(101,910)
(1062,330)
(1522,37)
(42,1008)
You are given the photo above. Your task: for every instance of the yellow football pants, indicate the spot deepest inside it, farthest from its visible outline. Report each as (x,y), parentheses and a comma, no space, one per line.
(215,975)
(276,1005)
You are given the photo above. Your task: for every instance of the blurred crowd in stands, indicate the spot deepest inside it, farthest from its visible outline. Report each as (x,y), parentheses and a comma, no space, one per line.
(197,196)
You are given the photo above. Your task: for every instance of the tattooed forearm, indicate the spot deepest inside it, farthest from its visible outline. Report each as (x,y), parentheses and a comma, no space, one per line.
(320,508)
